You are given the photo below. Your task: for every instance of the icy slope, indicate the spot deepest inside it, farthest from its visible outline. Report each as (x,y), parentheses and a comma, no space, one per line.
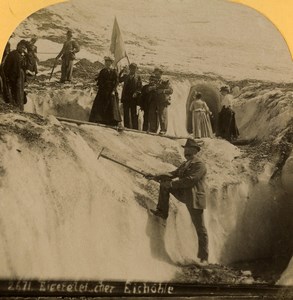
(263,110)
(65,214)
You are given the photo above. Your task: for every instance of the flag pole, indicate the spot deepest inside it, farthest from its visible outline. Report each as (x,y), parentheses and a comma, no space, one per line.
(128,59)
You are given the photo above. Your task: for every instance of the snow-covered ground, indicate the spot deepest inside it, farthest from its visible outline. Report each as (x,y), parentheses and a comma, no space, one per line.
(58,162)
(197,36)
(65,214)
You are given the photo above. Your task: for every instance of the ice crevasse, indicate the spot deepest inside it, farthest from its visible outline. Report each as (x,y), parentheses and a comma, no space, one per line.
(66,214)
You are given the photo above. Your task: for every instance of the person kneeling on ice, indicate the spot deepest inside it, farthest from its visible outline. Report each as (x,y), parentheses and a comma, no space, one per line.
(189,189)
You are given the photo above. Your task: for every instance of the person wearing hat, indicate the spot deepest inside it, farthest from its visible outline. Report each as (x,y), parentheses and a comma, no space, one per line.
(67,54)
(161,99)
(227,122)
(105,109)
(14,71)
(130,95)
(201,122)
(186,184)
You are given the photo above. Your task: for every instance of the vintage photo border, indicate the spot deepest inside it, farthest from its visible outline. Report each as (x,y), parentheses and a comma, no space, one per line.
(34,288)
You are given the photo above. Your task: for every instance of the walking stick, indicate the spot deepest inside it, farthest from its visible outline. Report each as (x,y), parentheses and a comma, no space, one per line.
(52,70)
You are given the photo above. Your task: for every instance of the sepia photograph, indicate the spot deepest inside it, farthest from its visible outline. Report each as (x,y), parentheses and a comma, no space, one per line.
(146,150)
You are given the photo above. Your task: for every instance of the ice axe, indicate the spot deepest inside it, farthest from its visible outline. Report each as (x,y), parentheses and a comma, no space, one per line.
(146,175)
(120,163)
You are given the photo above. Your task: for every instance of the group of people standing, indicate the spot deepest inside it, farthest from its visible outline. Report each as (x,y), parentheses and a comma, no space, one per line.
(19,64)
(16,66)
(153,98)
(201,117)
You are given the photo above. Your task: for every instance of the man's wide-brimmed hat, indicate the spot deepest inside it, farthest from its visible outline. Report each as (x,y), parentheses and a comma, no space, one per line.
(133,66)
(108,58)
(158,70)
(190,143)
(224,89)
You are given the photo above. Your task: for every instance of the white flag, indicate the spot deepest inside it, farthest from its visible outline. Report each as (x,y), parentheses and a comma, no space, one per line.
(117,47)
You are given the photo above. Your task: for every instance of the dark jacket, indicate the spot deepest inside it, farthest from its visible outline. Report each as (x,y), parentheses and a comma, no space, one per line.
(191,175)
(68,50)
(13,64)
(107,81)
(145,98)
(105,108)
(162,92)
(132,84)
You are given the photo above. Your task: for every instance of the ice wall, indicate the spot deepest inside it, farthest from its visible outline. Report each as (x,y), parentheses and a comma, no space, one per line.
(67,196)
(76,103)
(287,180)
(287,175)
(65,214)
(263,112)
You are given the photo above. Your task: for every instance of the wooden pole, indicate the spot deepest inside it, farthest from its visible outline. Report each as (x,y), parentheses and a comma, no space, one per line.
(79,122)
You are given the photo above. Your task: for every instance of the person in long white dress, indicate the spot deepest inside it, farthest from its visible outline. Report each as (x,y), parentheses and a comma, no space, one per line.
(201,122)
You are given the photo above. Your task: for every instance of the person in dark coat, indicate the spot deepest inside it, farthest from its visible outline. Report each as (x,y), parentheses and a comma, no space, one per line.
(227,122)
(105,109)
(145,100)
(189,189)
(14,70)
(67,54)
(4,89)
(32,58)
(161,99)
(130,95)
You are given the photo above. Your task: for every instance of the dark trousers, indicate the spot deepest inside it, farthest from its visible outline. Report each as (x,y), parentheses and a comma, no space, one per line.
(197,217)
(158,113)
(163,116)
(130,115)
(153,117)
(66,69)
